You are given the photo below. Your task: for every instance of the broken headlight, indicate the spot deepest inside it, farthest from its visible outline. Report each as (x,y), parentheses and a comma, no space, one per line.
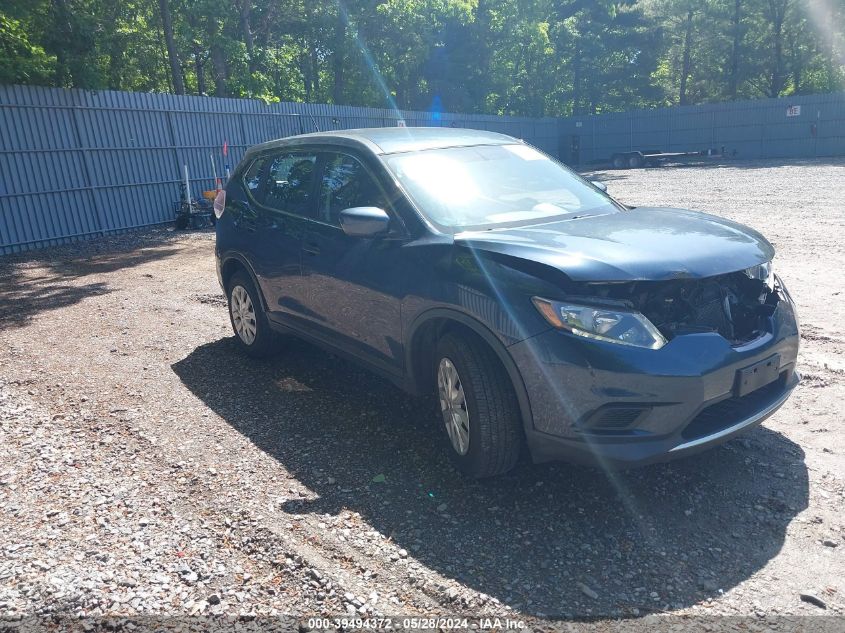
(764,272)
(602,323)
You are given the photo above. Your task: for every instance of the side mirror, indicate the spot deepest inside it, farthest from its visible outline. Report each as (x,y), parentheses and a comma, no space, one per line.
(599,184)
(364,221)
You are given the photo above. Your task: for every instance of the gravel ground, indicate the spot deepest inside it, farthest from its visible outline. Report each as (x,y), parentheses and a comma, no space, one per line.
(146,468)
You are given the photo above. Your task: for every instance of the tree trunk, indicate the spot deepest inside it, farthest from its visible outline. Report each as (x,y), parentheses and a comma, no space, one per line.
(307,76)
(796,63)
(218,66)
(64,72)
(116,47)
(777,14)
(315,69)
(199,66)
(687,62)
(170,42)
(733,81)
(482,35)
(338,46)
(777,71)
(61,76)
(244,13)
(309,58)
(400,88)
(576,80)
(115,64)
(831,56)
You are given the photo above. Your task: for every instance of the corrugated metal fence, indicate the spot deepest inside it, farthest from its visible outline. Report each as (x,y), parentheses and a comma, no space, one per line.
(76,164)
(793,127)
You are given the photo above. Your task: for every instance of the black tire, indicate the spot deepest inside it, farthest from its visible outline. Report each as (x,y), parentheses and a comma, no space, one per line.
(264,343)
(618,162)
(495,426)
(182,222)
(635,161)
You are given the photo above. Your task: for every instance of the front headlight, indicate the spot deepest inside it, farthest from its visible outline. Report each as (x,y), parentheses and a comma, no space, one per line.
(764,272)
(602,323)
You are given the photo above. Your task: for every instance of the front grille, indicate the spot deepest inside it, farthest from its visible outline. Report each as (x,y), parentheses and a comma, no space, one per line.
(726,413)
(710,312)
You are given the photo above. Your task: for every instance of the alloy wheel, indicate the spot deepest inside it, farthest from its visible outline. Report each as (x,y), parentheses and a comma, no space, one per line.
(243,315)
(453,405)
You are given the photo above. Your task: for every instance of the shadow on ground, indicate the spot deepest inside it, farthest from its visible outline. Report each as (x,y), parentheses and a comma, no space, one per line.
(663,537)
(54,278)
(604,175)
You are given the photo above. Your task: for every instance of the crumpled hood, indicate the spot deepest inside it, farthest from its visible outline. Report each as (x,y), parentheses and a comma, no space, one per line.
(640,244)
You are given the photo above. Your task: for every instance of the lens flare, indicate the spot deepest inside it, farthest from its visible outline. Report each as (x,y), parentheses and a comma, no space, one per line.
(368,58)
(824,18)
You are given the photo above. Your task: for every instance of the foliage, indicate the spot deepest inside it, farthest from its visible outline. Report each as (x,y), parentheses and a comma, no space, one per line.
(522,57)
(21,60)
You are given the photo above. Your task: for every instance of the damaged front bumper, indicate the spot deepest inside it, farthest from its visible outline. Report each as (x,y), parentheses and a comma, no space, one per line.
(619,406)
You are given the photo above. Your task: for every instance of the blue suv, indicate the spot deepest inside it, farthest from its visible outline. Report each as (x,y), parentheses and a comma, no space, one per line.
(541,312)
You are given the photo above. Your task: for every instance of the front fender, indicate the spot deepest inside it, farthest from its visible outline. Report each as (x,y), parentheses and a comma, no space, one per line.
(448,314)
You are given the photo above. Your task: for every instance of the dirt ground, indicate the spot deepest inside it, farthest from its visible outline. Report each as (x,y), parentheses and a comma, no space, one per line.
(148,468)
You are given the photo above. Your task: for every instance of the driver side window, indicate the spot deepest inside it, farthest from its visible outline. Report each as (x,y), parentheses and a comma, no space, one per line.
(346,183)
(290,181)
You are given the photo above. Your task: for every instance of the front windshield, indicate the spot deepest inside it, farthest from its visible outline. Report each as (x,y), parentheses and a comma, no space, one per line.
(492,185)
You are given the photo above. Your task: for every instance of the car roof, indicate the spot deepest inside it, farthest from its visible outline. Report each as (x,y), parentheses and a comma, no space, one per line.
(389,140)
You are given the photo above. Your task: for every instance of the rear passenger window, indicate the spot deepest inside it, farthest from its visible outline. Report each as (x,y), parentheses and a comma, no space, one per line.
(254,175)
(290,178)
(347,184)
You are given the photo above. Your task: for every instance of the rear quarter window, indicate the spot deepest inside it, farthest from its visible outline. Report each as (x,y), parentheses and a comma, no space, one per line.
(254,176)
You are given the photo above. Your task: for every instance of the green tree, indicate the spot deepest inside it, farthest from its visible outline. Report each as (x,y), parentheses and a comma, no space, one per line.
(23,59)
(524,57)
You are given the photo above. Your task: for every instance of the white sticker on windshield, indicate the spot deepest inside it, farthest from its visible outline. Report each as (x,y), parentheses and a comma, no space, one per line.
(525,152)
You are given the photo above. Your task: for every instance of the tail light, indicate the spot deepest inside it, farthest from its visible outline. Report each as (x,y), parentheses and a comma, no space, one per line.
(220,203)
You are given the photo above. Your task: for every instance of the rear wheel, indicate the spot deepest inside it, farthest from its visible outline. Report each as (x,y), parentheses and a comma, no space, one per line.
(618,162)
(635,162)
(248,318)
(480,413)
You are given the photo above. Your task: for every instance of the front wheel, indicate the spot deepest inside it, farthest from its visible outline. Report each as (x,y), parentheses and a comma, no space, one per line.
(249,321)
(478,405)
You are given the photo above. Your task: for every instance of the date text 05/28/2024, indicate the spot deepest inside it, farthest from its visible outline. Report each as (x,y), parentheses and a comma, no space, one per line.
(414,623)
